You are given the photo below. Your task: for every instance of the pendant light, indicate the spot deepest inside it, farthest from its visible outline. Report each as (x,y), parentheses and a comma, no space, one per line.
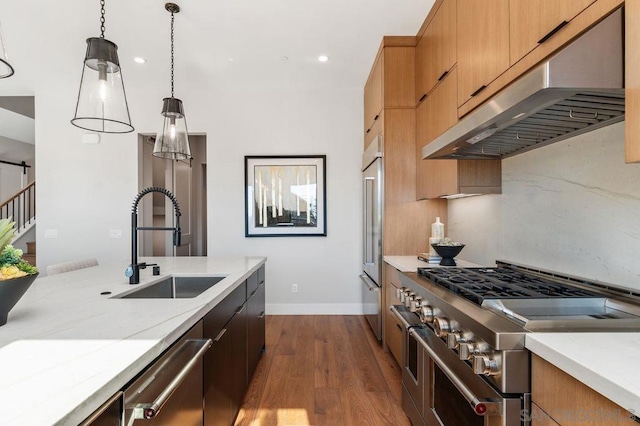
(102,103)
(173,141)
(6,70)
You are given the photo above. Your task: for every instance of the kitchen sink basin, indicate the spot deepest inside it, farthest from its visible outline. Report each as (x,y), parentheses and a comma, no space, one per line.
(174,288)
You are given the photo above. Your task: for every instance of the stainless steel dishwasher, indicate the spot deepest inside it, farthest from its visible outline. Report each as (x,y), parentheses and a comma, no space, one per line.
(169,391)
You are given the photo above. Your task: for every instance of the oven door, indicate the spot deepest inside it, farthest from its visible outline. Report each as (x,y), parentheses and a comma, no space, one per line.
(455,396)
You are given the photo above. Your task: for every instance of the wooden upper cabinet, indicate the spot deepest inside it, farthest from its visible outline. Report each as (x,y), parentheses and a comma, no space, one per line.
(632,82)
(436,49)
(437,113)
(483,44)
(533,22)
(373,94)
(391,83)
(438,178)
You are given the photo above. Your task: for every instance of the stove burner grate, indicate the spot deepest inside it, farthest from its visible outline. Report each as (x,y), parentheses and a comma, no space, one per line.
(479,284)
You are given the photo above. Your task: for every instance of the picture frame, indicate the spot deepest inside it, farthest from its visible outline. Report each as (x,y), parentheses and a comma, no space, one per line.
(285,196)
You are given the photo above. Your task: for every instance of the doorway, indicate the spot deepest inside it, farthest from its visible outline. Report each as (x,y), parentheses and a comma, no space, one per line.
(185,181)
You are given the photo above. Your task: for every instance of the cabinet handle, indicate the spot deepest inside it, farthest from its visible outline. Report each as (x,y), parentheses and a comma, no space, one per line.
(422,98)
(399,328)
(261,283)
(252,294)
(552,32)
(240,309)
(219,336)
(444,74)
(376,117)
(261,315)
(368,130)
(480,89)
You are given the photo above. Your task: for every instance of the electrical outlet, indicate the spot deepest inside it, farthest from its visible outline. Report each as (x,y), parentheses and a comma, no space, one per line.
(115,233)
(294,288)
(51,233)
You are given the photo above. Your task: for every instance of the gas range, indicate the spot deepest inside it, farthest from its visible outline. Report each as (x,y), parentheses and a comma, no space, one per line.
(482,315)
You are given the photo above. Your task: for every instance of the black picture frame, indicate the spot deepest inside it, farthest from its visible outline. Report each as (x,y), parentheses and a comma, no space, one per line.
(285,196)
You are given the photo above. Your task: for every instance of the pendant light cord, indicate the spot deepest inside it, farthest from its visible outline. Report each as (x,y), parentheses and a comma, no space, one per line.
(101,18)
(172,19)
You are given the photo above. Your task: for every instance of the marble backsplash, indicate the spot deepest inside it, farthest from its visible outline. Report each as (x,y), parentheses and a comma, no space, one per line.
(573,207)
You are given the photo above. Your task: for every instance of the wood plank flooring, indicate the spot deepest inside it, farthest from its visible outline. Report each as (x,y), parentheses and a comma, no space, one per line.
(323,370)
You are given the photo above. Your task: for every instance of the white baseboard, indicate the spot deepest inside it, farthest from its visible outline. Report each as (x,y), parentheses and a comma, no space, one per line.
(314,309)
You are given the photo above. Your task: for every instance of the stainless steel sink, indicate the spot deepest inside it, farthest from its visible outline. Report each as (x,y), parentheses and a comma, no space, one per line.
(173,288)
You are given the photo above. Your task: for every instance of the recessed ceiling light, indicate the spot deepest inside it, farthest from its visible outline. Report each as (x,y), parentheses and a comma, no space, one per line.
(231,59)
(140,60)
(323,58)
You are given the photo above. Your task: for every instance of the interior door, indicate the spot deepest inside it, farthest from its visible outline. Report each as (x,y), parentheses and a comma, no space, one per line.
(181,187)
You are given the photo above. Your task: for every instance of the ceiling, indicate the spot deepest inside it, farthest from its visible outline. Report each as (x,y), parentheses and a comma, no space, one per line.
(221,43)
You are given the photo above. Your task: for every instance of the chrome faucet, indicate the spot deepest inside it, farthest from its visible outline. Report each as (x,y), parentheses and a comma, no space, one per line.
(133,271)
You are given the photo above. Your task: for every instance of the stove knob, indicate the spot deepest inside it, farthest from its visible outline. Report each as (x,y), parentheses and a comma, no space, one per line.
(426,313)
(467,350)
(404,295)
(441,326)
(409,298)
(415,304)
(485,365)
(400,292)
(455,340)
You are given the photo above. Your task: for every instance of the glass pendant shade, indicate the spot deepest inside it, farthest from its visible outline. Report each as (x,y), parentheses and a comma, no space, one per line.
(102,104)
(173,142)
(6,70)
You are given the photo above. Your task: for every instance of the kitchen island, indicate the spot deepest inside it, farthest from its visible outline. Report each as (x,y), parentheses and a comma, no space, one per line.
(70,343)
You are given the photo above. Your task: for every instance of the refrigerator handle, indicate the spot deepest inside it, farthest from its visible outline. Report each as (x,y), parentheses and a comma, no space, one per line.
(368,220)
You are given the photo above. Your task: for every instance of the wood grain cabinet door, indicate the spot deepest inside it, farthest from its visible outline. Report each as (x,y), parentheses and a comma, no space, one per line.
(483,44)
(373,94)
(436,49)
(533,22)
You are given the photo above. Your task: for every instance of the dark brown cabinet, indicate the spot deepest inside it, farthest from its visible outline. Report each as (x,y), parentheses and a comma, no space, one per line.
(255,320)
(234,325)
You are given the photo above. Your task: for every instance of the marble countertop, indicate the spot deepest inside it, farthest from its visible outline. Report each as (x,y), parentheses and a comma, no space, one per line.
(66,348)
(606,362)
(411,263)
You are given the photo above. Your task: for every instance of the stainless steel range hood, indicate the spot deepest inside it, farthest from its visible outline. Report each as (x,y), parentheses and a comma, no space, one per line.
(578,90)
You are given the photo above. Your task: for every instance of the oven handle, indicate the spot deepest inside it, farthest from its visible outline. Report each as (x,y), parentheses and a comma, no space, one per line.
(369,283)
(480,406)
(404,322)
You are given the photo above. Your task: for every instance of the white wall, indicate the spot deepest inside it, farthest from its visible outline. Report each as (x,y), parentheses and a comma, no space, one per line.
(86,190)
(573,207)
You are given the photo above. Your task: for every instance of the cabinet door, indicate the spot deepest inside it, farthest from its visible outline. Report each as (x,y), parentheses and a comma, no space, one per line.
(237,374)
(373,94)
(221,368)
(256,327)
(437,113)
(483,44)
(436,49)
(532,22)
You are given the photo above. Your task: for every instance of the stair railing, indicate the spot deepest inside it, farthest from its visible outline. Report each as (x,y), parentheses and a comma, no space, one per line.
(21,207)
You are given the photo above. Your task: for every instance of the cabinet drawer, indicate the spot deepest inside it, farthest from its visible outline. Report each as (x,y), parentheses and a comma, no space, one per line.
(216,319)
(393,336)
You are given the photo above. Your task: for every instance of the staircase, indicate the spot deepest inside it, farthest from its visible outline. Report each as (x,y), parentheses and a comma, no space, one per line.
(21,207)
(30,254)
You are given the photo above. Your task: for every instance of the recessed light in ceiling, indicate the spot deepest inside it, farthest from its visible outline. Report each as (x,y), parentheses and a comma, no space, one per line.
(140,60)
(231,59)
(323,58)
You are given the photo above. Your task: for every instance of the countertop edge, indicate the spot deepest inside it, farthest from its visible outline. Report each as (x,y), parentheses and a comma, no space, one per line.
(587,368)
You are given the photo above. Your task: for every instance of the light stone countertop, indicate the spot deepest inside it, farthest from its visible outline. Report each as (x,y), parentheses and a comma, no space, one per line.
(411,263)
(606,362)
(66,348)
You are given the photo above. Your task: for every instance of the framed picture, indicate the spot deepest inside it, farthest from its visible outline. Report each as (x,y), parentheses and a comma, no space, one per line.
(285,196)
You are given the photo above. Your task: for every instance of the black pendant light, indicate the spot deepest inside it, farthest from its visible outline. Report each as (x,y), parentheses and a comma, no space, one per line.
(173,141)
(102,103)
(6,70)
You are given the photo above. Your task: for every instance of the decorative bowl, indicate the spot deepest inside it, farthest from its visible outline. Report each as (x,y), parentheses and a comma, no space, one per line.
(11,291)
(447,253)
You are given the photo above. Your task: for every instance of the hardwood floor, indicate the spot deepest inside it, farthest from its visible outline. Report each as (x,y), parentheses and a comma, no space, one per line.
(323,370)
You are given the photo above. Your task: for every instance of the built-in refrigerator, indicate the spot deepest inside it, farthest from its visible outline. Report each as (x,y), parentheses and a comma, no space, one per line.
(373,192)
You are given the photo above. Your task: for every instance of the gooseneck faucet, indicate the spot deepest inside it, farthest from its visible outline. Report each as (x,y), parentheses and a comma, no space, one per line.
(133,271)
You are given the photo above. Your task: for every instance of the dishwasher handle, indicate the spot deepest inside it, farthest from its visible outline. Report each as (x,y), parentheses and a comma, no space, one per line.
(146,411)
